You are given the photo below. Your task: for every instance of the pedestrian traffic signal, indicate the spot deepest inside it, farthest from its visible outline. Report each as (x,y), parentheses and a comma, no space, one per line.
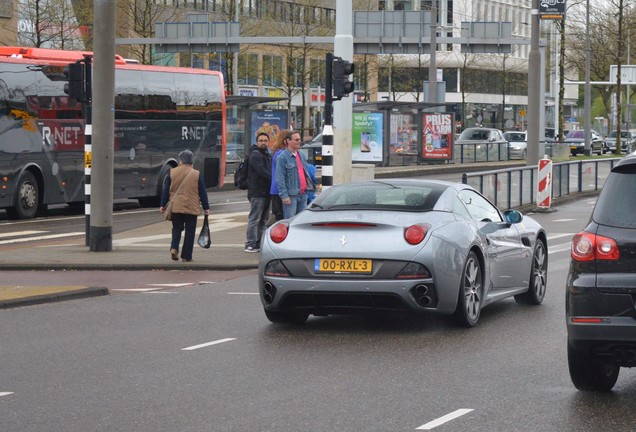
(76,87)
(342,86)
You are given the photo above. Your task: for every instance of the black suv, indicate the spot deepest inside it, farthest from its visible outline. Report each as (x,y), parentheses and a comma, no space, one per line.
(601,286)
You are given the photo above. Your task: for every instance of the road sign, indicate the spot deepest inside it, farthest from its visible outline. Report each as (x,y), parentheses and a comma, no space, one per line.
(628,74)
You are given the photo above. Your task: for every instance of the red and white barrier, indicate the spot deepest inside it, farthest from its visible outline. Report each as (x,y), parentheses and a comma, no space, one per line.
(544,184)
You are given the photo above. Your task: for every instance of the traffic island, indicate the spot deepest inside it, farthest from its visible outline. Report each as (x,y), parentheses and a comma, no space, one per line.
(15,296)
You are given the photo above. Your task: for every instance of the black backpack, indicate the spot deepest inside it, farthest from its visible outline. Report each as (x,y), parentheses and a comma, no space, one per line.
(240,175)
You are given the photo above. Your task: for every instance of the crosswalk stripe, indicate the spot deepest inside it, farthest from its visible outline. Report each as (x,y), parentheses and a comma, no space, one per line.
(20,233)
(44,237)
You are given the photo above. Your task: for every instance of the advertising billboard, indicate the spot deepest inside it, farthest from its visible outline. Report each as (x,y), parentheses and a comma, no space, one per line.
(437,139)
(367,139)
(269,121)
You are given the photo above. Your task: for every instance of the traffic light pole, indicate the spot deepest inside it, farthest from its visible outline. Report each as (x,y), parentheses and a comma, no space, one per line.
(88,133)
(327,129)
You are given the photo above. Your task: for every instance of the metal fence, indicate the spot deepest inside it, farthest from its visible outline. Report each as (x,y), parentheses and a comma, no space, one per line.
(516,187)
(465,153)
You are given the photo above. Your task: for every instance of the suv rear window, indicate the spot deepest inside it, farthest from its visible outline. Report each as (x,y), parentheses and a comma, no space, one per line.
(616,204)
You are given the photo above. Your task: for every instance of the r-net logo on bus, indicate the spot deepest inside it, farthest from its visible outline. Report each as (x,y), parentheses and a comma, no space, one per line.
(66,136)
(193,132)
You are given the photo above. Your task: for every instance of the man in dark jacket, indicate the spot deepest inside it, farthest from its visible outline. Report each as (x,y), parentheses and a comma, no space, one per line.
(259,178)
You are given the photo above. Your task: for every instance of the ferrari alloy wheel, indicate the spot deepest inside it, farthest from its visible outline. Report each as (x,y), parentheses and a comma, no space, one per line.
(538,277)
(286,317)
(470,292)
(588,373)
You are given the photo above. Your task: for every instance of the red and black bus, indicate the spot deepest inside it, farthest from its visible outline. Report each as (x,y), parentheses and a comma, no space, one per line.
(159,111)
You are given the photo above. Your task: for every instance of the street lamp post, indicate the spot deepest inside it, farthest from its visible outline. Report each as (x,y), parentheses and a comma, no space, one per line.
(534,86)
(588,89)
(432,68)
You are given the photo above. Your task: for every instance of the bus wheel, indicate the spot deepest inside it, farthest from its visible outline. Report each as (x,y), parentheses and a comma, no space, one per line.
(155,201)
(27,197)
(149,201)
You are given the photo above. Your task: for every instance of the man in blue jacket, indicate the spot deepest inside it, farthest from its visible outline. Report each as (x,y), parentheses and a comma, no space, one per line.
(290,177)
(259,178)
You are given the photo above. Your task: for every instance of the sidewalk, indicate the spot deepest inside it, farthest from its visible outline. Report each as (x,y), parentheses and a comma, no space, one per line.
(147,248)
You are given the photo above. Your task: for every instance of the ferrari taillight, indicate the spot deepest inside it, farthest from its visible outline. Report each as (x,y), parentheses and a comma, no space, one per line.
(279,232)
(415,234)
(589,247)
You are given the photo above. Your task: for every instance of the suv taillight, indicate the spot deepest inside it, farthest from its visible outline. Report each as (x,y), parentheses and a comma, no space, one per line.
(589,247)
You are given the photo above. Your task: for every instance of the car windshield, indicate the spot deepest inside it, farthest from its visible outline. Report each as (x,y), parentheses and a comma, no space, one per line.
(616,206)
(577,134)
(379,195)
(515,136)
(475,134)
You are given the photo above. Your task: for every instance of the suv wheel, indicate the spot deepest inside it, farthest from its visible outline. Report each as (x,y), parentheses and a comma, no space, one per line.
(588,373)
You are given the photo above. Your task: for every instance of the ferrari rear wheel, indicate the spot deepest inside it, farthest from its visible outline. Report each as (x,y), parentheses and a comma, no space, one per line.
(287,317)
(470,292)
(538,277)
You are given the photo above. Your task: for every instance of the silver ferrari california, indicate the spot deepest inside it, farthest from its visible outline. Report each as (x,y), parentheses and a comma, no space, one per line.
(400,245)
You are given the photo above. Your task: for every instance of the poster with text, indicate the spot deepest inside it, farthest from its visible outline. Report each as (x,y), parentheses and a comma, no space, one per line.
(366,134)
(269,121)
(437,139)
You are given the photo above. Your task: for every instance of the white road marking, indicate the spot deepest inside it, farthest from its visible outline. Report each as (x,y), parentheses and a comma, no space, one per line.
(208,282)
(556,236)
(45,237)
(5,393)
(444,419)
(207,344)
(174,285)
(157,245)
(20,233)
(160,292)
(560,248)
(563,220)
(134,289)
(243,293)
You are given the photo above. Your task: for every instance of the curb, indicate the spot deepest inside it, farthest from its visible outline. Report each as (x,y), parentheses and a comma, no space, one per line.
(54,297)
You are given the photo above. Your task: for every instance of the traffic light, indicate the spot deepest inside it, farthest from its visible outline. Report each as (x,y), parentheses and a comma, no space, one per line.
(341,84)
(76,87)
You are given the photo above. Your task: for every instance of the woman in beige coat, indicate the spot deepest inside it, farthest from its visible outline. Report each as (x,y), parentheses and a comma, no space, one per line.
(184,186)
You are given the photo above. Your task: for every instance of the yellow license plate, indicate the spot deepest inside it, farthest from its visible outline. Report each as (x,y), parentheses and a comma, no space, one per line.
(339,265)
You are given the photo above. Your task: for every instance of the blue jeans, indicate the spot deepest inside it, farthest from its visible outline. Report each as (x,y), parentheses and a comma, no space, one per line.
(298,204)
(181,221)
(257,221)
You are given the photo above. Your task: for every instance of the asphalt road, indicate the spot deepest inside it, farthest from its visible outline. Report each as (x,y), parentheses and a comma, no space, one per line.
(203,357)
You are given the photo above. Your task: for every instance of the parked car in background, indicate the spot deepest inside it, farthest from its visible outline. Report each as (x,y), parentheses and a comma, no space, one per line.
(401,245)
(517,144)
(576,141)
(481,135)
(627,141)
(550,134)
(482,143)
(601,286)
(313,150)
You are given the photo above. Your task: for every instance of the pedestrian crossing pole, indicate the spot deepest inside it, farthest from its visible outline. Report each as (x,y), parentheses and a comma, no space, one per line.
(327,129)
(88,149)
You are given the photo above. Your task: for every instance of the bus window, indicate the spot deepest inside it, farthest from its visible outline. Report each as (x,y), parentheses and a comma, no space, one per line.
(160,95)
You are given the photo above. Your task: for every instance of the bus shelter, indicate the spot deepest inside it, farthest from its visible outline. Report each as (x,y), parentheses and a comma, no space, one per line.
(401,133)
(247,115)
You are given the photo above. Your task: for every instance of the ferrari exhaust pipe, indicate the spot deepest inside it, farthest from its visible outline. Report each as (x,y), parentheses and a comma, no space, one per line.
(269,292)
(421,294)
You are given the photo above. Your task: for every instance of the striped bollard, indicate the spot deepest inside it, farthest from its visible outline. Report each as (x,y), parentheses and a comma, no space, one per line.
(544,184)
